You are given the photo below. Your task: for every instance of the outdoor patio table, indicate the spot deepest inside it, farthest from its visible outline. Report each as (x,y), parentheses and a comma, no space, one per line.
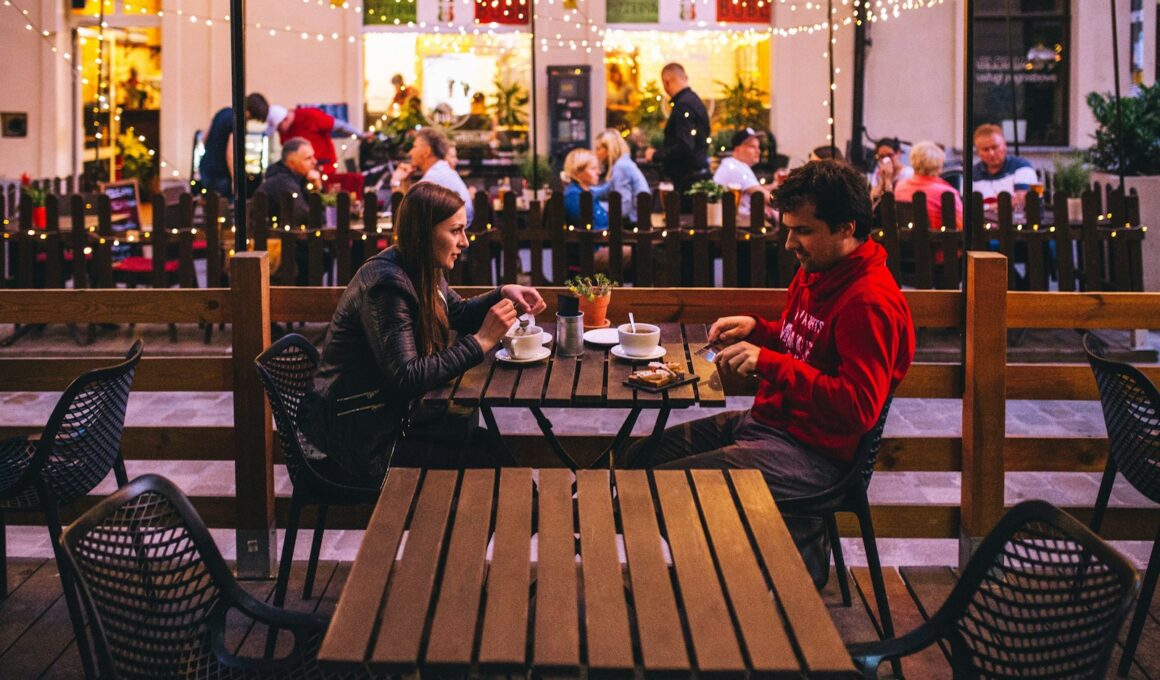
(668,572)
(594,380)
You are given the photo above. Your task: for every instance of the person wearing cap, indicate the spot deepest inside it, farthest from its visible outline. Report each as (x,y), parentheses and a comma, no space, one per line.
(315,126)
(737,169)
(217,163)
(889,169)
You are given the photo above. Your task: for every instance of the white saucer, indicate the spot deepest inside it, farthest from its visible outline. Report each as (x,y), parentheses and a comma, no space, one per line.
(541,354)
(602,336)
(657,353)
(546,337)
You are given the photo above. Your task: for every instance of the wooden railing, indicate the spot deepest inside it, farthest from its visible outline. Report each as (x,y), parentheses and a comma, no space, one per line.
(982,381)
(1102,252)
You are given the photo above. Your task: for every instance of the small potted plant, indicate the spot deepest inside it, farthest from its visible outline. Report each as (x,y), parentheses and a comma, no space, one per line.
(329,208)
(37,196)
(594,292)
(713,193)
(535,169)
(1072,177)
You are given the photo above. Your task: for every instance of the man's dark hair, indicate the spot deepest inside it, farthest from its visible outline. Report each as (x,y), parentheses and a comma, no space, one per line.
(257,108)
(436,140)
(892,142)
(838,192)
(292,146)
(827,152)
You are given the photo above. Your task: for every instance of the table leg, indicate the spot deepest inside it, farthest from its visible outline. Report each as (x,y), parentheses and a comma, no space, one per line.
(497,439)
(621,437)
(553,441)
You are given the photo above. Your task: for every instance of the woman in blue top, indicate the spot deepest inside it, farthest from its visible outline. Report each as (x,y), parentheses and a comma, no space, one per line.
(582,172)
(623,176)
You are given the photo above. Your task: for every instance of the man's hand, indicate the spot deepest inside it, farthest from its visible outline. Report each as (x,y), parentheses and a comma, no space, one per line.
(730,329)
(526,299)
(401,174)
(649,153)
(314,180)
(741,358)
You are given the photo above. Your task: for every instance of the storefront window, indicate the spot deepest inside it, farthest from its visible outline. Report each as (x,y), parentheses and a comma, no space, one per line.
(1036,52)
(473,86)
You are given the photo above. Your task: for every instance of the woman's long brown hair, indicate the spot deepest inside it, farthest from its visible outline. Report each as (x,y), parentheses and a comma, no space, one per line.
(425,205)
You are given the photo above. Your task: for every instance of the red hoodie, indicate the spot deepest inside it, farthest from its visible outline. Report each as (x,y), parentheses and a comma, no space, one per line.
(843,343)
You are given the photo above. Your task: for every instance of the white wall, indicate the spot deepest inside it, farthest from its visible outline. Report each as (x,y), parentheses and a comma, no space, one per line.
(35,80)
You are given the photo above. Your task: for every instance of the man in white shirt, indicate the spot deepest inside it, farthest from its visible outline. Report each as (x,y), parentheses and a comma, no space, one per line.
(736,171)
(997,172)
(428,155)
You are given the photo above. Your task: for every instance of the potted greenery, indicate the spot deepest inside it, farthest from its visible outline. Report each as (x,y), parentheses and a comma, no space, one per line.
(137,163)
(594,292)
(1137,137)
(37,197)
(535,168)
(649,115)
(740,105)
(713,193)
(1072,177)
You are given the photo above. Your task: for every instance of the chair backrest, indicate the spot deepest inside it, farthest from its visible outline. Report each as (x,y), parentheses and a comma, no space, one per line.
(82,439)
(286,369)
(1042,592)
(1131,405)
(152,579)
(866,455)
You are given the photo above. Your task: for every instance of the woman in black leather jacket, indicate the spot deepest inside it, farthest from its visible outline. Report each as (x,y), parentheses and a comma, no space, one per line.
(390,341)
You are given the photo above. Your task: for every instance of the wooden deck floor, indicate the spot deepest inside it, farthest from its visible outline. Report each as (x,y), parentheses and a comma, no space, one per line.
(36,638)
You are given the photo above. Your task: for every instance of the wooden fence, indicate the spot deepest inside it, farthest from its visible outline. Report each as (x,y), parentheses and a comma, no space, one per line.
(1103,252)
(983,381)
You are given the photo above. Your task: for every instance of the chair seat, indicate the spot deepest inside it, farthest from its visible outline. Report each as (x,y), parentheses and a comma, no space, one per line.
(135,264)
(68,256)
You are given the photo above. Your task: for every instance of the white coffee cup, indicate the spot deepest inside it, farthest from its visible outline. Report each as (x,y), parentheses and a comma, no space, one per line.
(642,343)
(525,345)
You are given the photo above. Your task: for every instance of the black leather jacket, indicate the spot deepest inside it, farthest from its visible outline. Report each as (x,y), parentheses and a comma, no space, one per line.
(370,369)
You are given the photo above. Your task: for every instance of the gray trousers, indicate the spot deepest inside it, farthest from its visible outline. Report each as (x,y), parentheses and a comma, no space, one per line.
(735,440)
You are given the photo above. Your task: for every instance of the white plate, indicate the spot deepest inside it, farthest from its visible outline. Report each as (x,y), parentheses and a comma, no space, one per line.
(541,354)
(602,336)
(657,353)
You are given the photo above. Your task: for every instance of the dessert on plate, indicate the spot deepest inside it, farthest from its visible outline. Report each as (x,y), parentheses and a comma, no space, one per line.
(658,374)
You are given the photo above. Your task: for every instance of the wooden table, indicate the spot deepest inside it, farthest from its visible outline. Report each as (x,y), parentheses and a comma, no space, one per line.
(593,380)
(474,572)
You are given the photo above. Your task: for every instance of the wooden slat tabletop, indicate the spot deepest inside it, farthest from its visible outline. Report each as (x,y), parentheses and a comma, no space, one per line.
(595,379)
(492,578)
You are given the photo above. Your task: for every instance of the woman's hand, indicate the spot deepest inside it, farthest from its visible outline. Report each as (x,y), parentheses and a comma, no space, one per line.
(731,329)
(496,323)
(526,299)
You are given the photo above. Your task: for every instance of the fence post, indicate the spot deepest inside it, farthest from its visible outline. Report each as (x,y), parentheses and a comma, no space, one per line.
(253,434)
(984,399)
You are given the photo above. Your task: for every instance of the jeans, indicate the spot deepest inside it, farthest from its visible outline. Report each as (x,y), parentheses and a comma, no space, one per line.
(734,440)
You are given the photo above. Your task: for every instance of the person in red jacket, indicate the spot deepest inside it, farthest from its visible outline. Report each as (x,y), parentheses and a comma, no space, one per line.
(825,368)
(313,125)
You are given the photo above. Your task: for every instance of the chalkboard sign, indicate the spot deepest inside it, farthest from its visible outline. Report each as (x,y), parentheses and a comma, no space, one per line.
(125,202)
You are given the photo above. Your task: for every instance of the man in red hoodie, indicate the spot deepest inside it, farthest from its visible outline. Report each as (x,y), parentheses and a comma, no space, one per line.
(825,367)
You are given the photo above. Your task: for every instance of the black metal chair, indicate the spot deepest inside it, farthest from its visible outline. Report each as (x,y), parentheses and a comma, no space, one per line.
(1043,597)
(849,495)
(286,369)
(1131,405)
(158,592)
(73,454)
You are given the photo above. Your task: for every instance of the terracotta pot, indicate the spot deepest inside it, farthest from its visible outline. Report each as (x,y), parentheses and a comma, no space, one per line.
(596,311)
(40,217)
